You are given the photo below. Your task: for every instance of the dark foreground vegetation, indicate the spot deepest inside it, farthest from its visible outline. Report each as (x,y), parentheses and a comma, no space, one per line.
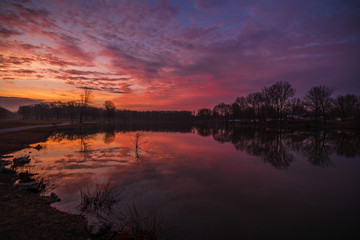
(275,103)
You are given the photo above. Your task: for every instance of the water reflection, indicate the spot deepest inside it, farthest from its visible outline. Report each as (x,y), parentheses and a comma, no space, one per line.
(273,145)
(215,182)
(109,135)
(276,145)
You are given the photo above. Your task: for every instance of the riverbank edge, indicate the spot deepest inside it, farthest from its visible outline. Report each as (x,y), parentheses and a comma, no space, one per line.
(28,215)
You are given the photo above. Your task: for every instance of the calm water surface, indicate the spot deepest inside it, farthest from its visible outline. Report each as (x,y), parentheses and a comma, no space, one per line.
(217,183)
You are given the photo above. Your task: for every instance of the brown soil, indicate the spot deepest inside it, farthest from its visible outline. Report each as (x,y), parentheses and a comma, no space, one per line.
(26,215)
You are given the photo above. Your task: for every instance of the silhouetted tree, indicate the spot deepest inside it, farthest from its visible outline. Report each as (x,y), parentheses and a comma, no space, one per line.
(239,108)
(319,100)
(345,105)
(25,112)
(110,109)
(204,114)
(296,106)
(5,114)
(222,111)
(277,95)
(71,107)
(85,100)
(56,108)
(255,100)
(41,111)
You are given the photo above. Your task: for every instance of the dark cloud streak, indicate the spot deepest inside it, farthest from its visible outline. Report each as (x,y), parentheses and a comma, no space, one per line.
(218,48)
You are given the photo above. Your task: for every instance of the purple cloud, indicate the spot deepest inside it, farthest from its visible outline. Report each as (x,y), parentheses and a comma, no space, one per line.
(209,51)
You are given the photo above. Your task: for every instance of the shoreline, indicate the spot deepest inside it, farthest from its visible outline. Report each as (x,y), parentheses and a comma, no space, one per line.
(25,214)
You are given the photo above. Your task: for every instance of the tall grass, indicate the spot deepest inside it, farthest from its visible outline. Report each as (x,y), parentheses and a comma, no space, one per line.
(129,219)
(141,223)
(101,197)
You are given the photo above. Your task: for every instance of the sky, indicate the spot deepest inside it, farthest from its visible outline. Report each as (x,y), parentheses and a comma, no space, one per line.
(174,55)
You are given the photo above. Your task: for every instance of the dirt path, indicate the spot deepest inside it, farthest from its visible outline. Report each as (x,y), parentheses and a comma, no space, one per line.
(15,129)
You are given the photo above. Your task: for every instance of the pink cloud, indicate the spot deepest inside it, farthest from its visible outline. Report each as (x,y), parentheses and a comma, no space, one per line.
(174,54)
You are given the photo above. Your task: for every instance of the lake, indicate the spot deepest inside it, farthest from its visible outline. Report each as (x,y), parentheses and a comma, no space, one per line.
(213,182)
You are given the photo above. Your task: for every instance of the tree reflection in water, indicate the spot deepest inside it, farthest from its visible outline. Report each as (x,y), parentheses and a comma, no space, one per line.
(138,142)
(109,135)
(318,150)
(171,171)
(277,146)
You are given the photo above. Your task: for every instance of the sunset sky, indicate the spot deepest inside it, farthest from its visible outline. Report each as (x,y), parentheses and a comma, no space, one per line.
(174,54)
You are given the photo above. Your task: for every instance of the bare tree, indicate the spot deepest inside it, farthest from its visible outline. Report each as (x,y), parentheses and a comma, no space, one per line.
(222,111)
(346,105)
(278,94)
(255,100)
(56,108)
(239,108)
(286,91)
(296,106)
(85,100)
(319,100)
(71,108)
(110,109)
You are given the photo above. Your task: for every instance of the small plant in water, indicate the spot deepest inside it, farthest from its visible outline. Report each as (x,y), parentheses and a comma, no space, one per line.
(101,197)
(139,140)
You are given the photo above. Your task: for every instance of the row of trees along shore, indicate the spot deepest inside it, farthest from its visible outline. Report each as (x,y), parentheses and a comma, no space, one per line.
(272,103)
(81,109)
(277,103)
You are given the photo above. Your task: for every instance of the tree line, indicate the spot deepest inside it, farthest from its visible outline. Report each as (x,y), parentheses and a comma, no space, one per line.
(277,103)
(80,110)
(77,113)
(6,114)
(272,103)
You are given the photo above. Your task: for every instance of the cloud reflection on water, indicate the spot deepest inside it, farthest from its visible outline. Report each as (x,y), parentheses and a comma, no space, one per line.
(202,183)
